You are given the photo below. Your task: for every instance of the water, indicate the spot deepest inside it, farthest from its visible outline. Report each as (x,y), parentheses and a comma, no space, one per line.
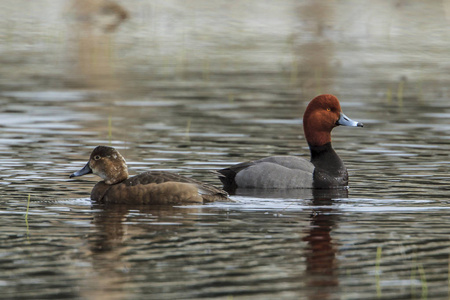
(193,87)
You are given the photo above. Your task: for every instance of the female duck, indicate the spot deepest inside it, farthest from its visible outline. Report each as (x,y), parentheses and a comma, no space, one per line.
(153,187)
(325,170)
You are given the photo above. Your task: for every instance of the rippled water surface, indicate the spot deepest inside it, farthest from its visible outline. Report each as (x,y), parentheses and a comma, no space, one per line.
(194,86)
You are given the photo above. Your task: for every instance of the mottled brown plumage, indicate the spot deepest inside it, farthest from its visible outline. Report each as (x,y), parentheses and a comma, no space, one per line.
(153,187)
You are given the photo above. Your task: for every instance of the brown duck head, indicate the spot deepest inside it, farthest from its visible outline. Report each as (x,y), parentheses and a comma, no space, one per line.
(107,163)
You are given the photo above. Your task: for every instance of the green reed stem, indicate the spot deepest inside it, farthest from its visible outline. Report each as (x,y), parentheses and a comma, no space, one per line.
(377,271)
(423,280)
(389,96)
(413,275)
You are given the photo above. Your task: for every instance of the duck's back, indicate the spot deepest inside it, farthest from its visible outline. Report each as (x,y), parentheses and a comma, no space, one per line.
(158,187)
(271,172)
(208,192)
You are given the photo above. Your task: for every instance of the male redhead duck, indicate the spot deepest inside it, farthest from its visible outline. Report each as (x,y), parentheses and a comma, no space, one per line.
(326,169)
(153,187)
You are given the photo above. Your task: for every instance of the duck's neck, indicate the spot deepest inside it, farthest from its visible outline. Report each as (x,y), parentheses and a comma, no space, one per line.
(317,137)
(328,163)
(120,174)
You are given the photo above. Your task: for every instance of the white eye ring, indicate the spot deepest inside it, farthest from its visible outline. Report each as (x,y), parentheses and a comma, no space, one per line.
(97,157)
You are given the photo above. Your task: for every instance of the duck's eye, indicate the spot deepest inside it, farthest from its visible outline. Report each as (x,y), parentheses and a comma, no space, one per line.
(328,109)
(97,157)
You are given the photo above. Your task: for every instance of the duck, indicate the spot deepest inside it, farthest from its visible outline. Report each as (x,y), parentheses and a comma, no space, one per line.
(152,187)
(324,170)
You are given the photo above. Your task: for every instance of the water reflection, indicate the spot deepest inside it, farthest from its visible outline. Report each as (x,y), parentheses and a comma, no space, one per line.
(299,194)
(313,54)
(93,44)
(111,222)
(321,262)
(129,238)
(109,243)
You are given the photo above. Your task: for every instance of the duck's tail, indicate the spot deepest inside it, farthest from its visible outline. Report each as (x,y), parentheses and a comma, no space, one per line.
(210,193)
(227,176)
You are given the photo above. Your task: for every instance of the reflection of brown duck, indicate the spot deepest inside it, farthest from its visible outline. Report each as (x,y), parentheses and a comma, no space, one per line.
(115,228)
(112,229)
(108,14)
(153,187)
